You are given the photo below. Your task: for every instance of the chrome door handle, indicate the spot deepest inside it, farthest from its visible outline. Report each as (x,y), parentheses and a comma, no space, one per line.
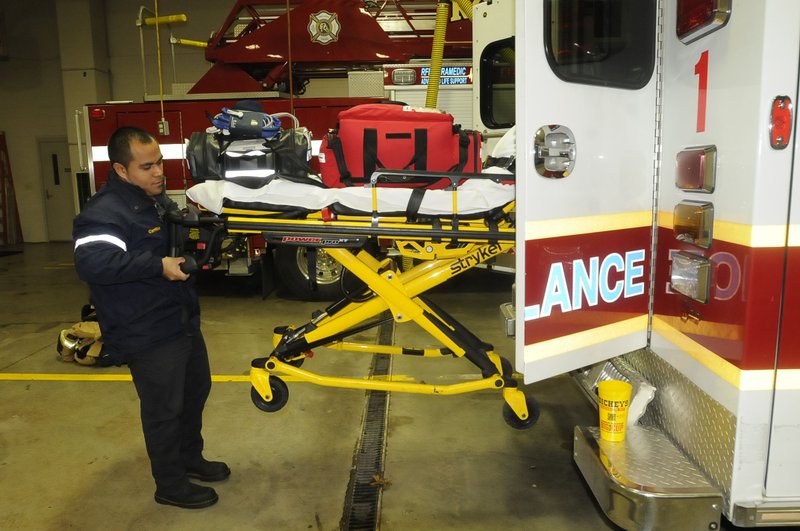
(554,151)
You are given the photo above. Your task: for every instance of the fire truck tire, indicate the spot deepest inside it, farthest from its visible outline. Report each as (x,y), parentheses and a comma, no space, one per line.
(292,264)
(517,423)
(280,395)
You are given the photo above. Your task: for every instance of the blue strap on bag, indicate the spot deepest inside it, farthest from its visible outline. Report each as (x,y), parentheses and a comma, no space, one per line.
(247,124)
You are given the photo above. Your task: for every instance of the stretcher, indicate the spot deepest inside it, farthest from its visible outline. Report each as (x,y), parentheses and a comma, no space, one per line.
(446,232)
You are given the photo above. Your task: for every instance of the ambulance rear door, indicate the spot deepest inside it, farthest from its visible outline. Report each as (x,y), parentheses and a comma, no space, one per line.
(585,112)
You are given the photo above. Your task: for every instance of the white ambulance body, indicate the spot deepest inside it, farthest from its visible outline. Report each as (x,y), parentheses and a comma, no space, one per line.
(657,227)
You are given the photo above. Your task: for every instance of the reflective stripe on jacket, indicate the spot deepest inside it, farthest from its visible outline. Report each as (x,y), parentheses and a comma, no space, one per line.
(120,238)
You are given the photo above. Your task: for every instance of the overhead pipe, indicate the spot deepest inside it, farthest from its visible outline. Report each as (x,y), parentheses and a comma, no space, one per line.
(156,20)
(78,115)
(188,42)
(140,23)
(162,124)
(166,19)
(289,58)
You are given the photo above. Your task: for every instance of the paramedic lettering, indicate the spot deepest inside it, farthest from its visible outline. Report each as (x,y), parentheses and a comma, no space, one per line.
(592,280)
(450,75)
(446,71)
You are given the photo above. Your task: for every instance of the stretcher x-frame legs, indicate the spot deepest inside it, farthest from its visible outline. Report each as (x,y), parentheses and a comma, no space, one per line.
(401,295)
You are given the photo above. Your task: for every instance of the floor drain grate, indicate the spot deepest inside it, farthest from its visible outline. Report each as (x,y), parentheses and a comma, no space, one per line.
(362,504)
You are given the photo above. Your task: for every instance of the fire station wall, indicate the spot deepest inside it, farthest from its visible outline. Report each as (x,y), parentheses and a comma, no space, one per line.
(204,18)
(31,102)
(34,84)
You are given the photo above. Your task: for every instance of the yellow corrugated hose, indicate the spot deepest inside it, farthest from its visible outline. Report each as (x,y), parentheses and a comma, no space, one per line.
(437,53)
(466,7)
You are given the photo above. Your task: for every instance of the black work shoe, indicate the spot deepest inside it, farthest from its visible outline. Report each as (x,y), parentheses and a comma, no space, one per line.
(208,470)
(187,496)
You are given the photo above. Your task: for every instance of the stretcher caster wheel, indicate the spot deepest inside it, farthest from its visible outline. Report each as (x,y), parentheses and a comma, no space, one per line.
(280,395)
(517,423)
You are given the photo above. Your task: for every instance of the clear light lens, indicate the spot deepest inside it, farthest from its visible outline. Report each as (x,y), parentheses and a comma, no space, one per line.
(404,76)
(690,275)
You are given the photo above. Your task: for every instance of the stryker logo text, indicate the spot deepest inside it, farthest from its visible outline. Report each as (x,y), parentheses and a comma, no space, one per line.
(478,257)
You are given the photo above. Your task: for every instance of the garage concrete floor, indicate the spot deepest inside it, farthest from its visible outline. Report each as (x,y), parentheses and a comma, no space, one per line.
(72,454)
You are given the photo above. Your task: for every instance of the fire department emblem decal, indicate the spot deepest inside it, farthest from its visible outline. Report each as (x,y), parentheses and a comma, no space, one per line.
(324,27)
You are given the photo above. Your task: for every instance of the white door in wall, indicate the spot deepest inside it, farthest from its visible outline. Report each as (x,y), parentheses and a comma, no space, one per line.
(59,202)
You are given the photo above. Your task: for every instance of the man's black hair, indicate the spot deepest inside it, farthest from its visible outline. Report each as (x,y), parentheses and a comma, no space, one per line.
(119,145)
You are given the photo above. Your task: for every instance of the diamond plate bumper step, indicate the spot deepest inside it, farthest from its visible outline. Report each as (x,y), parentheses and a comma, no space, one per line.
(645,482)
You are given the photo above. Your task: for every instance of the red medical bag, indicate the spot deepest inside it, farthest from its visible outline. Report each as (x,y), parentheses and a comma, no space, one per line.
(396,137)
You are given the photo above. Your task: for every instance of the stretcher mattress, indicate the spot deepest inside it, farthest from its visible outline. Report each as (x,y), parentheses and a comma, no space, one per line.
(474,197)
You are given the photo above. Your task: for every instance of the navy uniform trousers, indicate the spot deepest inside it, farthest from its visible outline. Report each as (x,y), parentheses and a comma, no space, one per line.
(173,381)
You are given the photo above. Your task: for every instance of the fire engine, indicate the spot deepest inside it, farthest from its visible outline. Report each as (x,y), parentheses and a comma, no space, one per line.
(271,51)
(657,242)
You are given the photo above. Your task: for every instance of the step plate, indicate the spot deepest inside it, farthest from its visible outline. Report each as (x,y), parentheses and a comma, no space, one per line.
(645,482)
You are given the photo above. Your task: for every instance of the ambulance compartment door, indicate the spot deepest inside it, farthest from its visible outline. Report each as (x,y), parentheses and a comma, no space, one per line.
(784,454)
(585,115)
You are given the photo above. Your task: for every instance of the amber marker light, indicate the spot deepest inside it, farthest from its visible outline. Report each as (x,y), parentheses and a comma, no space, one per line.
(692,223)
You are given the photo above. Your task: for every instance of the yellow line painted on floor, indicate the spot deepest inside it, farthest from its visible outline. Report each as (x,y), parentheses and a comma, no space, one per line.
(55,377)
(58,377)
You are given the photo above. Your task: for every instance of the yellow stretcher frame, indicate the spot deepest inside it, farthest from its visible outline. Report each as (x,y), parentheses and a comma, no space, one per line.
(444,248)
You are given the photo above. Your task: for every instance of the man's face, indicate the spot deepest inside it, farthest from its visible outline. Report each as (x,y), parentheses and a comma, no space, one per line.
(146,168)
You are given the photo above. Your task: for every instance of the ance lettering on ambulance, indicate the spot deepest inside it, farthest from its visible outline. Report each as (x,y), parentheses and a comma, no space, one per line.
(591,280)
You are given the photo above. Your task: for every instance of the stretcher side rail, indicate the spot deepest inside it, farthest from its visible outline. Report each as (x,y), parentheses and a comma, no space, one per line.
(421,177)
(493,226)
(326,233)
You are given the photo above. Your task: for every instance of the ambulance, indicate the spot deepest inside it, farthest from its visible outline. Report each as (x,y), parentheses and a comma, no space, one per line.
(658,242)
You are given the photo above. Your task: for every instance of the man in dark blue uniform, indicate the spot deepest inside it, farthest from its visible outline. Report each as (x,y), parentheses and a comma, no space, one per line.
(149,314)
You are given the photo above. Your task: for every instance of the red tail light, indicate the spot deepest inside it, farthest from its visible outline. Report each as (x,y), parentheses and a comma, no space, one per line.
(697,18)
(780,122)
(97,113)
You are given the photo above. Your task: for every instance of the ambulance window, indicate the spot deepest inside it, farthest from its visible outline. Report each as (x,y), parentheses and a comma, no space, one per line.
(601,42)
(497,84)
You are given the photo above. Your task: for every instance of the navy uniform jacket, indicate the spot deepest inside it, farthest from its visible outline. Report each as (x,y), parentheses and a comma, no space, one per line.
(120,238)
